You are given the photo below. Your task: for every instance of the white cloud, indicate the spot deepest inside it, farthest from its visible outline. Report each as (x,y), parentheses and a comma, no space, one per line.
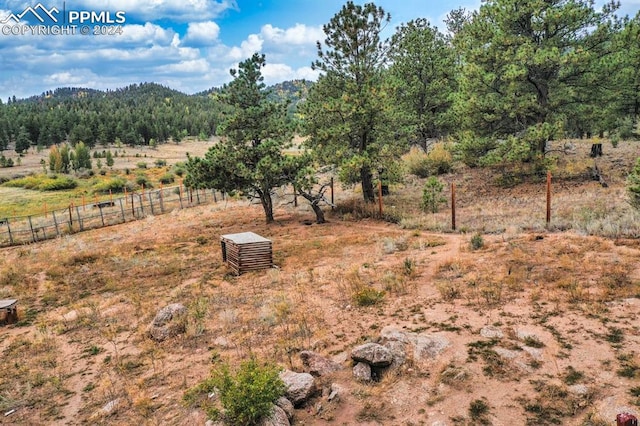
(296,35)
(194,66)
(143,34)
(202,33)
(275,73)
(73,77)
(151,10)
(248,47)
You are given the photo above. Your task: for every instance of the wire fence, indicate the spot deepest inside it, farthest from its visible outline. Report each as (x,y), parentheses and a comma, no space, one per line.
(78,218)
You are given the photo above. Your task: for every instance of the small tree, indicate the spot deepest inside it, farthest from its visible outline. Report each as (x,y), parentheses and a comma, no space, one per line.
(633,188)
(81,157)
(432,195)
(109,159)
(249,158)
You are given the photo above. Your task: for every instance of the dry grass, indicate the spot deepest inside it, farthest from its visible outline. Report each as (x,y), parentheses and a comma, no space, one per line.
(86,301)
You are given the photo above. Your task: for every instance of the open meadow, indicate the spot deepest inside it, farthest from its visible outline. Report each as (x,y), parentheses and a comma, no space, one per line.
(504,321)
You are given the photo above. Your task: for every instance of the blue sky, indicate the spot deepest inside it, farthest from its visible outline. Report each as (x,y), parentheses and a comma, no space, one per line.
(188,45)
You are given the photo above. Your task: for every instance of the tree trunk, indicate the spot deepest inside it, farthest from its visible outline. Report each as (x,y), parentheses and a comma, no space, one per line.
(367,184)
(314,201)
(267,205)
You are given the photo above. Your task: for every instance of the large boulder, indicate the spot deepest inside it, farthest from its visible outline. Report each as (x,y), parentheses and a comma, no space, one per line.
(318,365)
(425,345)
(299,386)
(373,354)
(168,322)
(286,405)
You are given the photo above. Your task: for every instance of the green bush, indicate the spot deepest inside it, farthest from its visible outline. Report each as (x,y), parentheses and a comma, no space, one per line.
(477,242)
(437,162)
(142,179)
(167,178)
(633,188)
(470,148)
(160,162)
(247,395)
(367,296)
(432,195)
(141,165)
(114,185)
(43,183)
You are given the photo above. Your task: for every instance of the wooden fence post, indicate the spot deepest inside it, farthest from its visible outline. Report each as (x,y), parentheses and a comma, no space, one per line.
(33,234)
(453,206)
(55,222)
(124,217)
(9,231)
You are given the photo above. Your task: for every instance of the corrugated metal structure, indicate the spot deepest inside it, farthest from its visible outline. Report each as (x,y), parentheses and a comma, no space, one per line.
(246,251)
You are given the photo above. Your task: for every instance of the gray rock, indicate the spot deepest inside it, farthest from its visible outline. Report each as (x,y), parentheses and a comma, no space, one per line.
(299,386)
(424,345)
(278,417)
(336,391)
(534,352)
(579,389)
(373,354)
(362,372)
(168,322)
(286,405)
(317,364)
(398,352)
(506,353)
(111,406)
(491,332)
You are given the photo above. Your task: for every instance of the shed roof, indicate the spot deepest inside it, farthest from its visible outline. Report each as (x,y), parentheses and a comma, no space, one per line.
(245,238)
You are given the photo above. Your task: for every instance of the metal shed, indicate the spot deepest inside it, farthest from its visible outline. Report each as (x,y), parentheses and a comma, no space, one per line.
(246,251)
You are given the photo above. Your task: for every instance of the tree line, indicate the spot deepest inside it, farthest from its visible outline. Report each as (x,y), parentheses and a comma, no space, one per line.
(502,82)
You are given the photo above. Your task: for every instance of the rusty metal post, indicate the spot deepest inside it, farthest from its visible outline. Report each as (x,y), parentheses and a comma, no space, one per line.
(548,198)
(332,203)
(453,206)
(9,231)
(380,198)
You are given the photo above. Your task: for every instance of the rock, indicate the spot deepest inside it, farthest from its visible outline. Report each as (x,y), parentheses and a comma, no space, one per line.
(299,386)
(278,417)
(491,332)
(506,353)
(317,364)
(336,391)
(579,389)
(397,351)
(221,341)
(340,358)
(362,372)
(373,354)
(110,406)
(429,346)
(534,352)
(424,345)
(168,322)
(286,405)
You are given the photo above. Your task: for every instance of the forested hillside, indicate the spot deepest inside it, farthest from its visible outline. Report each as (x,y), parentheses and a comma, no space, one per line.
(140,114)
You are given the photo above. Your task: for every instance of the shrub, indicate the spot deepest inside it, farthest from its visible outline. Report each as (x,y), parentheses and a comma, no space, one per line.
(432,195)
(114,185)
(470,148)
(248,394)
(143,180)
(367,296)
(633,188)
(43,183)
(141,165)
(477,242)
(438,161)
(167,178)
(160,162)
(58,184)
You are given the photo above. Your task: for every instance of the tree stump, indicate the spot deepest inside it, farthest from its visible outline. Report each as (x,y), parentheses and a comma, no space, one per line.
(596,150)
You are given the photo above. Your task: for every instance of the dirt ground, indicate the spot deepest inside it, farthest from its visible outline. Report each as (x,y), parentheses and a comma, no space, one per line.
(541,325)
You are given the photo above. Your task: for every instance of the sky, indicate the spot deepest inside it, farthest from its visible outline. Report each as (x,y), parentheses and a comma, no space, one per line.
(187,45)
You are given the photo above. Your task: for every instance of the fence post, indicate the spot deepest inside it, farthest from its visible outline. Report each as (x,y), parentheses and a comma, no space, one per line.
(161,199)
(151,202)
(33,235)
(101,215)
(55,222)
(124,218)
(548,198)
(295,196)
(453,206)
(380,198)
(9,230)
(332,203)
(141,204)
(79,219)
(70,217)
(133,209)
(180,195)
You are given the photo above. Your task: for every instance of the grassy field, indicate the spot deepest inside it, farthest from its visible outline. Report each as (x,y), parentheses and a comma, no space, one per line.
(541,323)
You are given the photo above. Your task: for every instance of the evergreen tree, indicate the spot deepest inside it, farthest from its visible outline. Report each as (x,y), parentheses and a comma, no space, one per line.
(249,158)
